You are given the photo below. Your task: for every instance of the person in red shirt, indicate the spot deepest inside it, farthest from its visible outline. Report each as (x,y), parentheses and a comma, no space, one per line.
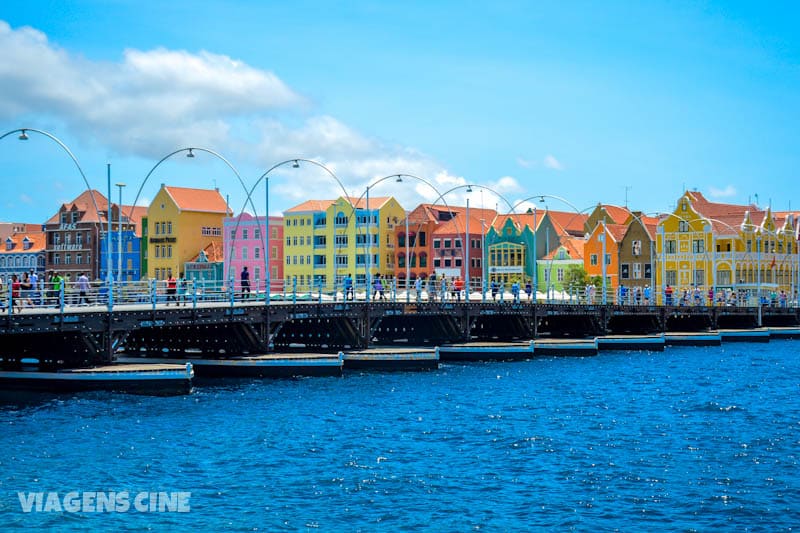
(16,292)
(172,289)
(458,285)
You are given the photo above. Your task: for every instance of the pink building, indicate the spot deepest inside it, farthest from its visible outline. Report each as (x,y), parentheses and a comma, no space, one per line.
(243,245)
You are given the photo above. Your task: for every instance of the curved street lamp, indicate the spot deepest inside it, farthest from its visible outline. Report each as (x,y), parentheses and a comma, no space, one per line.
(265,177)
(23,136)
(398,179)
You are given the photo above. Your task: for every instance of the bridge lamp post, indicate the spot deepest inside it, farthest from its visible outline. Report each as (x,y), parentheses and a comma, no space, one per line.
(119,233)
(23,136)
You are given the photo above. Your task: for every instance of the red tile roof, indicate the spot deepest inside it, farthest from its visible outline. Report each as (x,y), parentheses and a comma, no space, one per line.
(322,205)
(37,239)
(568,222)
(573,245)
(200,200)
(84,203)
(214,252)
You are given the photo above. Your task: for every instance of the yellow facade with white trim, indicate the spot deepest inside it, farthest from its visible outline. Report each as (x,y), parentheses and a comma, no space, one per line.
(695,251)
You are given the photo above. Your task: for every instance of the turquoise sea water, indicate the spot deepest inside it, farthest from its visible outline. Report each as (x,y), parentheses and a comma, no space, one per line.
(688,439)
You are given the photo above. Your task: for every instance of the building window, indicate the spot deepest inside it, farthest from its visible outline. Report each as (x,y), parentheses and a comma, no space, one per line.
(698,246)
(608,259)
(274,252)
(274,233)
(699,277)
(458,243)
(624,271)
(636,248)
(672,277)
(56,259)
(67,259)
(340,260)
(341,219)
(683,226)
(340,240)
(257,233)
(671,246)
(169,251)
(447,243)
(244,234)
(437,243)
(256,253)
(593,259)
(244,254)
(637,271)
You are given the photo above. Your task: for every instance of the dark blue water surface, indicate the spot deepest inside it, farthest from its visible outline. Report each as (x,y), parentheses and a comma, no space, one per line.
(688,439)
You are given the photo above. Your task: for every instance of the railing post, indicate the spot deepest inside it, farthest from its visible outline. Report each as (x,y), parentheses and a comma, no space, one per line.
(194,294)
(483,290)
(294,290)
(10,300)
(231,292)
(319,292)
(153,293)
(267,287)
(61,298)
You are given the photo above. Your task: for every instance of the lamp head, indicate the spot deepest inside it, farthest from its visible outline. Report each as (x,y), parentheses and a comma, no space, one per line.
(296,164)
(469,188)
(541,199)
(399,179)
(23,136)
(190,154)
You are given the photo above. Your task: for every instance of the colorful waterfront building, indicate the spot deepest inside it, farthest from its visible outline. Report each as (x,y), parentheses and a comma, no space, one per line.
(704,246)
(430,241)
(206,269)
(74,234)
(181,222)
(131,247)
(605,238)
(511,240)
(637,251)
(554,267)
(22,249)
(243,245)
(325,240)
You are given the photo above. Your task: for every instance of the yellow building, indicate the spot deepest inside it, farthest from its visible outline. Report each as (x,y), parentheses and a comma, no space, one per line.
(707,245)
(180,223)
(325,240)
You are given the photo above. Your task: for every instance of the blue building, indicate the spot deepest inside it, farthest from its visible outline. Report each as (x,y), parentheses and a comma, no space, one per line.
(131,256)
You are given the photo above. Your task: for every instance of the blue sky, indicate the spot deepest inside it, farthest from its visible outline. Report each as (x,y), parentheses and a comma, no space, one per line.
(570,99)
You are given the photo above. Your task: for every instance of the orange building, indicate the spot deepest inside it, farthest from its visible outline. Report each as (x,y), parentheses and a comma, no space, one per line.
(593,252)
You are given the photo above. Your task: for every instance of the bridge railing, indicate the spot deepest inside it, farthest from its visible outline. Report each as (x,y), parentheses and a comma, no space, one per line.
(64,295)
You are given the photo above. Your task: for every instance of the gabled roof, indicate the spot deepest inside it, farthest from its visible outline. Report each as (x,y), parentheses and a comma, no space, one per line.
(573,246)
(84,204)
(311,206)
(37,240)
(214,253)
(198,200)
(568,222)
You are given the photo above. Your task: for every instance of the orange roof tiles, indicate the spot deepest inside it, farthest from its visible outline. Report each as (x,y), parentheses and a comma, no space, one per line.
(618,214)
(36,238)
(84,203)
(573,246)
(214,253)
(568,222)
(322,205)
(201,200)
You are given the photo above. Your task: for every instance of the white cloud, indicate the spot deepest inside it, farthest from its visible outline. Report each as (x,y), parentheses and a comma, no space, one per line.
(524,163)
(147,104)
(727,192)
(552,163)
(152,102)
